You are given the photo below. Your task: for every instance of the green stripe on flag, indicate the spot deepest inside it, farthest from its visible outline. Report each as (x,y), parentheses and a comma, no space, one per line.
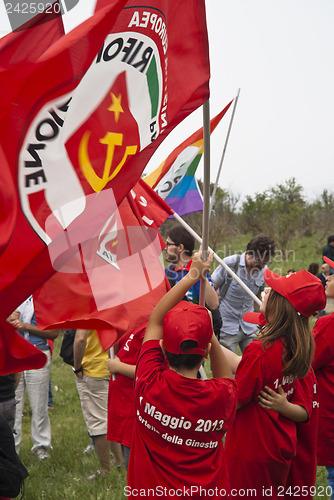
(153,86)
(194,164)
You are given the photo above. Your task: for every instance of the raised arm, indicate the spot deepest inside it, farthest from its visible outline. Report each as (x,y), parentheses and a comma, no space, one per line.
(211,296)
(232,358)
(197,270)
(219,364)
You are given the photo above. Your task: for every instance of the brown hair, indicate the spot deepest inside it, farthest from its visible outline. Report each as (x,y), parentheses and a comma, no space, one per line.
(185,360)
(298,342)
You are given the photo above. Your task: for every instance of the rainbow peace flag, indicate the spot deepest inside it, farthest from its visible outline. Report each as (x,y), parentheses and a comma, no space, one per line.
(174,180)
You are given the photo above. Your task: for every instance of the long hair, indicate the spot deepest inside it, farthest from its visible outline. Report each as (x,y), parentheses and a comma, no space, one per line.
(284,321)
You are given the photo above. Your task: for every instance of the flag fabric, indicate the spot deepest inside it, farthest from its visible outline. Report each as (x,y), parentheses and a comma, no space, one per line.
(17,48)
(85,123)
(32,39)
(16,353)
(122,277)
(26,45)
(186,197)
(174,180)
(23,46)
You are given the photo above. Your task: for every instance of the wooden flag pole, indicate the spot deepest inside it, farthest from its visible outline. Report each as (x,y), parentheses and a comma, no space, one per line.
(213,197)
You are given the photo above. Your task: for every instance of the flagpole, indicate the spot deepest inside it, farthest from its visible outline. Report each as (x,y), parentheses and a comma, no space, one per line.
(213,197)
(206,202)
(218,259)
(206,192)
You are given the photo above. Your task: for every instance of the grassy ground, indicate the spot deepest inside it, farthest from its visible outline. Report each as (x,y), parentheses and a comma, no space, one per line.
(64,475)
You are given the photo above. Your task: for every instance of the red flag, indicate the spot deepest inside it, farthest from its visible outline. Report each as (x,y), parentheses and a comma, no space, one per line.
(16,353)
(121,278)
(50,135)
(25,46)
(21,47)
(32,39)
(18,48)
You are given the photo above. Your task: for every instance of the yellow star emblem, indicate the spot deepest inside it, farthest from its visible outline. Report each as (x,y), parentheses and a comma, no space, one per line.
(116,105)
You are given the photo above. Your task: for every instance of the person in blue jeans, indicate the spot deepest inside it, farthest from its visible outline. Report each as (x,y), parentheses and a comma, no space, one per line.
(35,382)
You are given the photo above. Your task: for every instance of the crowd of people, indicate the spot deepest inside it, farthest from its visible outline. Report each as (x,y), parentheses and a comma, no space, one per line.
(270,394)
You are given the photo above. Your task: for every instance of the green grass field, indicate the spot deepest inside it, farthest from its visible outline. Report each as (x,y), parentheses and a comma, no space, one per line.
(64,475)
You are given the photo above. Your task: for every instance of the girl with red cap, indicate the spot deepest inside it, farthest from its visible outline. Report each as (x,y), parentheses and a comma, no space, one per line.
(261,443)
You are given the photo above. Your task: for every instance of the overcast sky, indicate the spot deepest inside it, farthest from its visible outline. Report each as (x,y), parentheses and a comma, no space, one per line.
(280,54)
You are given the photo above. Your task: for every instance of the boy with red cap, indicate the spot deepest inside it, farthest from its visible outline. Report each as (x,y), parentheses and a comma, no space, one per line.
(323,364)
(177,447)
(261,460)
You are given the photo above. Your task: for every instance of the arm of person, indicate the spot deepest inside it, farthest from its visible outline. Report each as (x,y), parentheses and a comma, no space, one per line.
(17,379)
(215,284)
(27,327)
(256,305)
(211,296)
(232,358)
(79,349)
(115,365)
(276,401)
(14,316)
(197,270)
(219,364)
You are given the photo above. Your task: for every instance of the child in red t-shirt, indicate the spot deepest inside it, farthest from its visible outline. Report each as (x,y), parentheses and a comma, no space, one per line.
(121,402)
(261,443)
(302,473)
(177,447)
(323,365)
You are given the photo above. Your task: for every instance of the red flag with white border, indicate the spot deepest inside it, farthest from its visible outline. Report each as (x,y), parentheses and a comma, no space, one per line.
(50,140)
(121,278)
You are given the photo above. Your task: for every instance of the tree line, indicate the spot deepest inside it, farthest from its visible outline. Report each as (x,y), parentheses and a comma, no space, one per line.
(282,212)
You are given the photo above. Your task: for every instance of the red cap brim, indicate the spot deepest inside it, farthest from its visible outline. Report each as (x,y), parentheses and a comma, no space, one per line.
(328,261)
(255,318)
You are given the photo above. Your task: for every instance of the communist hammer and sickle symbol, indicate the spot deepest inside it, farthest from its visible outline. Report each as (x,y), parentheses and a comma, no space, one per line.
(111,139)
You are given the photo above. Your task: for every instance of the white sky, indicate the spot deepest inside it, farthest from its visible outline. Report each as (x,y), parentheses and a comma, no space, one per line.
(280,54)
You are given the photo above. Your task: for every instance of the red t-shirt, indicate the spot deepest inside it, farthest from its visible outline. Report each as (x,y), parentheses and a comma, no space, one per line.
(304,466)
(180,423)
(121,401)
(261,443)
(323,365)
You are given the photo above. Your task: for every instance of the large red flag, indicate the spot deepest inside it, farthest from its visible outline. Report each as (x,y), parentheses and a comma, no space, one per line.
(121,278)
(86,121)
(79,123)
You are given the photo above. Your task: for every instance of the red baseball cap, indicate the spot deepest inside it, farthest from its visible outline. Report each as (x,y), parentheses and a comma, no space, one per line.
(187,321)
(302,289)
(256,318)
(328,261)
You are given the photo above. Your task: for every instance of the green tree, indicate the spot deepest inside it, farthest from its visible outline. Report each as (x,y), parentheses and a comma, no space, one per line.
(322,211)
(278,212)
